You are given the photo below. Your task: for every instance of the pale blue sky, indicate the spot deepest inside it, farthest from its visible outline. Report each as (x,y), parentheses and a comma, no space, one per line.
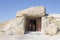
(8,8)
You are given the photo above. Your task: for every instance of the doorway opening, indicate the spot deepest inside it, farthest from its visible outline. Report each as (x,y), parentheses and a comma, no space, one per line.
(33,24)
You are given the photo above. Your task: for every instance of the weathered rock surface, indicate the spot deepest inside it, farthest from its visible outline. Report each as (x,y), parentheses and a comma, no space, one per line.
(32,12)
(51,24)
(13,26)
(52,29)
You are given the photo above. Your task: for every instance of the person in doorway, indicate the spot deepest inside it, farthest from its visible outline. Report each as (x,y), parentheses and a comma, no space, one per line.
(34,27)
(30,27)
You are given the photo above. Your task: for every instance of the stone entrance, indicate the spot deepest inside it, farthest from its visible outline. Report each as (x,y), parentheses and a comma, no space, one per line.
(31,17)
(33,24)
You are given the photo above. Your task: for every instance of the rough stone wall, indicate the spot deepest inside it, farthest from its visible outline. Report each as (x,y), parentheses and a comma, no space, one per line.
(51,24)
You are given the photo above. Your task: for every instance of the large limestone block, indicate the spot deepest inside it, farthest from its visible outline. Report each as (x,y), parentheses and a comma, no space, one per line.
(45,23)
(37,11)
(51,24)
(52,29)
(57,22)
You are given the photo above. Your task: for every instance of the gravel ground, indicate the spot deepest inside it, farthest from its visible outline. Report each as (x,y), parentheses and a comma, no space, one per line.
(30,36)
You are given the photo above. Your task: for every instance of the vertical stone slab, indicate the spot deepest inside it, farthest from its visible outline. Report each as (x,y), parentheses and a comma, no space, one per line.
(38,24)
(21,25)
(44,24)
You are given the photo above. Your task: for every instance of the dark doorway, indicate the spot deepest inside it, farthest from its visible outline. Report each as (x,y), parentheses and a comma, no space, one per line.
(32,25)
